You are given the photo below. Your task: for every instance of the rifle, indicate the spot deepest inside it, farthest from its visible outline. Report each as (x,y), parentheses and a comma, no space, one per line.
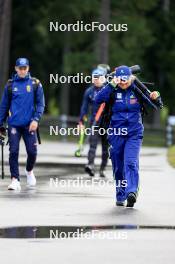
(134,69)
(140,88)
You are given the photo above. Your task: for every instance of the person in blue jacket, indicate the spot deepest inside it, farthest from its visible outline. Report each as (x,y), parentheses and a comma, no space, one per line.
(98,82)
(22,105)
(124,147)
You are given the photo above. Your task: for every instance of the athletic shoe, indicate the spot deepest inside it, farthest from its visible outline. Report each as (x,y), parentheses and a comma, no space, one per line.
(15,185)
(120,203)
(31,180)
(131,200)
(90,170)
(102,174)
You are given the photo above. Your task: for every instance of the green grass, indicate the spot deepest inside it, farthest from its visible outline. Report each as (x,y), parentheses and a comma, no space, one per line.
(171,156)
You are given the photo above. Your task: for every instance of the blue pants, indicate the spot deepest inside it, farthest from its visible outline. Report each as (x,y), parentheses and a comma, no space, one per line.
(124,154)
(30,140)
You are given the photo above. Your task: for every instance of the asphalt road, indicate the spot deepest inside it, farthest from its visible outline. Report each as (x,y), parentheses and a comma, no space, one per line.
(66,200)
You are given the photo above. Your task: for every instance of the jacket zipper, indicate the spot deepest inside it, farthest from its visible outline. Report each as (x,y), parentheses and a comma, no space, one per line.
(126,105)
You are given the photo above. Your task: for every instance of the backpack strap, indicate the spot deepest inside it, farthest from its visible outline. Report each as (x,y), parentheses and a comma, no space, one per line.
(35,84)
(9,89)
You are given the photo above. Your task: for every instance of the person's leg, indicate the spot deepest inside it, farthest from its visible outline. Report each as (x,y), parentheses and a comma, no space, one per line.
(30,140)
(105,153)
(131,164)
(117,144)
(14,135)
(93,141)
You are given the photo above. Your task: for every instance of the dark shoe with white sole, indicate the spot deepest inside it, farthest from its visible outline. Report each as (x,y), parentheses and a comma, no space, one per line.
(131,200)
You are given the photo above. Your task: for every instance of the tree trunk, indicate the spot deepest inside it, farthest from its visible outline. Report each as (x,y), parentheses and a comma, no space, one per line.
(64,96)
(161,74)
(5,28)
(102,48)
(166,6)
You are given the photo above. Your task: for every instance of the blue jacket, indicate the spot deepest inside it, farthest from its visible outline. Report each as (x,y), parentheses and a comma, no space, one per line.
(126,110)
(89,100)
(22,109)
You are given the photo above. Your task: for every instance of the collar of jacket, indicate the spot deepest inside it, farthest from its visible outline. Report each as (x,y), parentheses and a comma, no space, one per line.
(17,78)
(98,88)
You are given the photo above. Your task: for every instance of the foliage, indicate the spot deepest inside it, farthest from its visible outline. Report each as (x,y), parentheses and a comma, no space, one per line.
(149,41)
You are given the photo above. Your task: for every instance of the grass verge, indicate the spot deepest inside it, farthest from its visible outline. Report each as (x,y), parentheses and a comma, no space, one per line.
(171,156)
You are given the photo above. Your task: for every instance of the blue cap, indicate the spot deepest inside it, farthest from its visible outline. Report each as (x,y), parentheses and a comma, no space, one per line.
(98,72)
(22,62)
(124,72)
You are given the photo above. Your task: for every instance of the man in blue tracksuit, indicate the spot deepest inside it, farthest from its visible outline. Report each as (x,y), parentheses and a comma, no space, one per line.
(23,104)
(124,148)
(98,80)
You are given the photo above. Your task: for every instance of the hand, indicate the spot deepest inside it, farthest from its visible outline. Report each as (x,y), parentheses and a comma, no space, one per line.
(33,126)
(114,82)
(133,77)
(154,95)
(80,127)
(2,131)
(84,118)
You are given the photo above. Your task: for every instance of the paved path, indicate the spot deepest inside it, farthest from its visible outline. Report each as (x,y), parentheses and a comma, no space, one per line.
(91,204)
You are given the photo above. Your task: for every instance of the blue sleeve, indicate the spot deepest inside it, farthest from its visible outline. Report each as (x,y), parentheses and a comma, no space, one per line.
(85,105)
(4,106)
(40,103)
(103,95)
